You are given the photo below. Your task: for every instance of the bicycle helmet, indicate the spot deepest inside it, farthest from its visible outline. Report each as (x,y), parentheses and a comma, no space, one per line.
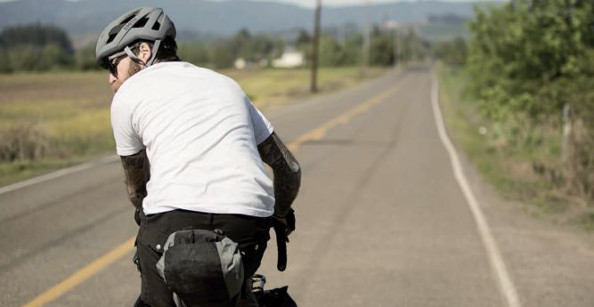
(144,23)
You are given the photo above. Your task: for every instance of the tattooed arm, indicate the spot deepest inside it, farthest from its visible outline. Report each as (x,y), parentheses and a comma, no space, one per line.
(287,173)
(137,171)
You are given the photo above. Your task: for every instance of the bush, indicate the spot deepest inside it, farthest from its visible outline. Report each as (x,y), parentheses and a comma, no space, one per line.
(22,141)
(453,52)
(194,52)
(527,61)
(85,58)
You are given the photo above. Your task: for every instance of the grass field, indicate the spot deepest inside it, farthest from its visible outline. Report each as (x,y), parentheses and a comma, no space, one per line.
(52,120)
(510,170)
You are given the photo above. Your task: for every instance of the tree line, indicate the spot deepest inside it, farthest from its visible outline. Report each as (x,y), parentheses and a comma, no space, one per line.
(34,48)
(531,68)
(387,47)
(38,47)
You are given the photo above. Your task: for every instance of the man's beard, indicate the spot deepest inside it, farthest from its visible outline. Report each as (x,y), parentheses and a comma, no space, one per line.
(134,68)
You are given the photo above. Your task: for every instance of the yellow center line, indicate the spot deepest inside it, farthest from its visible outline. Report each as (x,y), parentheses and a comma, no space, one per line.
(120,251)
(320,132)
(83,274)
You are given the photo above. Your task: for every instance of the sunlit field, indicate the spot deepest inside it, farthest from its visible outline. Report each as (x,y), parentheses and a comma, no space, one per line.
(52,120)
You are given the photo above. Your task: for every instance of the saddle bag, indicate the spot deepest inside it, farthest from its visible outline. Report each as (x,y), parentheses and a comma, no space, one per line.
(201,263)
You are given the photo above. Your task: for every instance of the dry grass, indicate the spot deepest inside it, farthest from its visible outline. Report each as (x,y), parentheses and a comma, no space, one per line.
(269,88)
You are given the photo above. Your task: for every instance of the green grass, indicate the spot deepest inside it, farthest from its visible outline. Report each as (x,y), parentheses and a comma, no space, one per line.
(465,123)
(509,168)
(52,120)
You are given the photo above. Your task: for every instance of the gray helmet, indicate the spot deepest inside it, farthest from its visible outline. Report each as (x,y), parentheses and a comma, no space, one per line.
(144,23)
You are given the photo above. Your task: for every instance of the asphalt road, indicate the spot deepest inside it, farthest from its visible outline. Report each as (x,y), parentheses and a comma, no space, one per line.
(381,220)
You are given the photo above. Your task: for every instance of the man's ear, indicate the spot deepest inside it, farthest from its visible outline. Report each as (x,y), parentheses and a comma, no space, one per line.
(145,52)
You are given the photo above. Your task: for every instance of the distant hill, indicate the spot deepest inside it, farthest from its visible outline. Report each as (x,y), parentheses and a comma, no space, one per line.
(202,18)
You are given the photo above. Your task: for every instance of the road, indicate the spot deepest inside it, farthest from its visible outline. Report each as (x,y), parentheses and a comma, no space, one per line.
(382,220)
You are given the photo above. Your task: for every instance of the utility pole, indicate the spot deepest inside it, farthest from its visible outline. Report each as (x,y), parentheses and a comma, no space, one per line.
(566,141)
(395,45)
(366,38)
(397,40)
(399,49)
(315,47)
(392,26)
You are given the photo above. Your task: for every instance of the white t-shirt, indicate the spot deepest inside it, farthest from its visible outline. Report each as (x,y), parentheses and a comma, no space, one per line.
(200,131)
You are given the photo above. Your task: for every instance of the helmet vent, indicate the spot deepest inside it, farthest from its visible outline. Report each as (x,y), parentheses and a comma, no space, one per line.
(156,26)
(110,38)
(141,22)
(125,21)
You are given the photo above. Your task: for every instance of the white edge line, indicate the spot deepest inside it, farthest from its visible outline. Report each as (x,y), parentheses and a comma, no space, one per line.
(506,285)
(56,174)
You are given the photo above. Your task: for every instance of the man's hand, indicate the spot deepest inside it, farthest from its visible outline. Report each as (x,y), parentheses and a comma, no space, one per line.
(283,227)
(137,215)
(286,222)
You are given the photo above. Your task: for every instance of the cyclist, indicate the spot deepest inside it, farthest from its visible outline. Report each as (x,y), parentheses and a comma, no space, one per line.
(192,146)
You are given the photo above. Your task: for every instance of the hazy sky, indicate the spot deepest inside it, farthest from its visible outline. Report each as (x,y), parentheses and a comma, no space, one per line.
(312,3)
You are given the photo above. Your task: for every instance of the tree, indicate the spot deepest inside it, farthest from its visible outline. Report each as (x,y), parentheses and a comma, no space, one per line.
(353,47)
(331,53)
(85,58)
(528,60)
(452,52)
(4,60)
(222,54)
(194,52)
(303,43)
(381,48)
(303,38)
(525,48)
(36,47)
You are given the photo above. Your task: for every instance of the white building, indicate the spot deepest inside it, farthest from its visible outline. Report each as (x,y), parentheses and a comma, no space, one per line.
(289,59)
(240,63)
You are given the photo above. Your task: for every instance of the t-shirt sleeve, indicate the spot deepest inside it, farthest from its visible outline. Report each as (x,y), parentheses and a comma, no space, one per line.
(262,127)
(128,142)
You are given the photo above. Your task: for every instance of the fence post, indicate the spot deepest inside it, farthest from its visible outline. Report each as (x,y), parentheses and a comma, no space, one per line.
(566,141)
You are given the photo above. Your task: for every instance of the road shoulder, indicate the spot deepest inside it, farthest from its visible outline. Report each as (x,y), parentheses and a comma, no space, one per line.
(551,264)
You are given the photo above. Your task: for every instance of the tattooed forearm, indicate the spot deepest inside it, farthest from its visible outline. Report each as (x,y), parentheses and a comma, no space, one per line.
(137,172)
(287,172)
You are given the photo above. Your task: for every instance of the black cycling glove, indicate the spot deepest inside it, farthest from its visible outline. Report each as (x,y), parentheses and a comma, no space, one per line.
(287,221)
(137,216)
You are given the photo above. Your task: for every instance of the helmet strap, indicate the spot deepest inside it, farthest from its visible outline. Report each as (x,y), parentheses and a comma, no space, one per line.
(136,59)
(133,56)
(155,49)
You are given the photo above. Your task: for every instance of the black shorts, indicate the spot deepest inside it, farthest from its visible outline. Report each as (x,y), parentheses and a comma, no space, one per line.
(251,233)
